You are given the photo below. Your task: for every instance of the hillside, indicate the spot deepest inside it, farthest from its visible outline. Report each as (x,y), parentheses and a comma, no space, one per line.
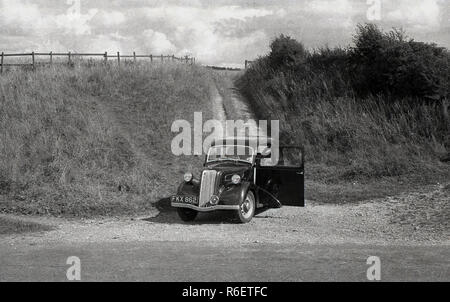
(373,117)
(94,140)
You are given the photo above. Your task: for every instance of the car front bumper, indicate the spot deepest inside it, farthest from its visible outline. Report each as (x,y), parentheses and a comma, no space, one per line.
(206,209)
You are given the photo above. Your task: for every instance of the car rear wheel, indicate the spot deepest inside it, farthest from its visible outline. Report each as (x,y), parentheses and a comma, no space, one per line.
(247,208)
(187,215)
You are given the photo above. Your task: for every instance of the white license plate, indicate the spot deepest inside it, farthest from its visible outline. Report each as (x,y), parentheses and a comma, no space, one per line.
(193,200)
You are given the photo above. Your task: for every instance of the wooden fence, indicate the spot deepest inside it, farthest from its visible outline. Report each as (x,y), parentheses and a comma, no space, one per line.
(70,56)
(222,68)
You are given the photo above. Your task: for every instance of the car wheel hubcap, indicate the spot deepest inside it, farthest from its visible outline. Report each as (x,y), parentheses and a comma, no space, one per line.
(246,208)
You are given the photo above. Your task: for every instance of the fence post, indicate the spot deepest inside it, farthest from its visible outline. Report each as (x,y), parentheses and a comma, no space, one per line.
(173,58)
(106,56)
(134,56)
(33,60)
(1,67)
(162,58)
(51,57)
(118,59)
(70,57)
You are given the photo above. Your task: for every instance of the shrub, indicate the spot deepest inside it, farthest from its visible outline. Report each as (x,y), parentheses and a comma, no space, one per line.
(286,52)
(391,63)
(363,110)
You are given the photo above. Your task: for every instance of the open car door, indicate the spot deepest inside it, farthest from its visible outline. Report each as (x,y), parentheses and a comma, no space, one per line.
(286,180)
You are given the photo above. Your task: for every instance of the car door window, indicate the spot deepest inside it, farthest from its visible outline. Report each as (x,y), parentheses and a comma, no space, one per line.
(291,157)
(266,152)
(267,162)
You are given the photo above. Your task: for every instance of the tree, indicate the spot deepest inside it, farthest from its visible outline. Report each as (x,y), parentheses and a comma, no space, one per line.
(286,52)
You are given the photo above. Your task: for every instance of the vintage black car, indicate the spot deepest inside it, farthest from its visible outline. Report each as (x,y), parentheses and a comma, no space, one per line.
(243,179)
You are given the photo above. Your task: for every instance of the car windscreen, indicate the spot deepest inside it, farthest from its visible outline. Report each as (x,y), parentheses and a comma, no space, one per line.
(231,152)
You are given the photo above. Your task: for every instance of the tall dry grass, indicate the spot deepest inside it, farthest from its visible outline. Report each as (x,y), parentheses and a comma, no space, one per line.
(348,136)
(94,139)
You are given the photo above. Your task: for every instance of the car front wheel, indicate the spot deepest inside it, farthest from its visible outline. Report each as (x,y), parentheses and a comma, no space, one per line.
(187,215)
(247,208)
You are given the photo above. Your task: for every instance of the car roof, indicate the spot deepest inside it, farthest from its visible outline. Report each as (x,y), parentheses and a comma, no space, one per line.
(251,141)
(247,141)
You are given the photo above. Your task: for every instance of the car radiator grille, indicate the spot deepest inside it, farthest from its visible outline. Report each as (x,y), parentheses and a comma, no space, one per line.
(208,187)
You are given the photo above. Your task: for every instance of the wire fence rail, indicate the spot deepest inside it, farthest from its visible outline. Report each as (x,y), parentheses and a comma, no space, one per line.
(71,56)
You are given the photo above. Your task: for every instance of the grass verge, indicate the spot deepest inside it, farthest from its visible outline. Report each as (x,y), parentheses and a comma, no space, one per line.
(10,226)
(358,145)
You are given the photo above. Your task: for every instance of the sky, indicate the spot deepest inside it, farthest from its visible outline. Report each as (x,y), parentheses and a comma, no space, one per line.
(220,32)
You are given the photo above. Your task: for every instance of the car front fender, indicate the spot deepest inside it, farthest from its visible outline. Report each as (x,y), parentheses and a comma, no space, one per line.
(235,194)
(188,189)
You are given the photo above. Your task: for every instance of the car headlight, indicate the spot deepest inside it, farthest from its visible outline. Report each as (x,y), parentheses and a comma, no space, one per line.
(188,177)
(214,200)
(236,179)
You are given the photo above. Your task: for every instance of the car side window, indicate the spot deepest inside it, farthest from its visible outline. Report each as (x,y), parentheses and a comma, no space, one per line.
(266,152)
(289,157)
(267,162)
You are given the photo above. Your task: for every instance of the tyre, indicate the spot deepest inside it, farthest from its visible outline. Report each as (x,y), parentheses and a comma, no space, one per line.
(247,208)
(187,215)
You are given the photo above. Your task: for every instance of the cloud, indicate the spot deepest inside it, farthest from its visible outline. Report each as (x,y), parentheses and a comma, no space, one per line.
(109,18)
(31,19)
(216,32)
(77,24)
(19,13)
(331,7)
(183,14)
(237,12)
(197,31)
(111,43)
(419,14)
(157,43)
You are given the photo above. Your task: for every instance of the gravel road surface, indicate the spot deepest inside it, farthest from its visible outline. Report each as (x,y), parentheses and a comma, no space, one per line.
(319,242)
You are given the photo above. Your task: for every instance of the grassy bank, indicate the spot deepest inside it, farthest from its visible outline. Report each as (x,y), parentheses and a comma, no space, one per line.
(10,226)
(366,132)
(94,140)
